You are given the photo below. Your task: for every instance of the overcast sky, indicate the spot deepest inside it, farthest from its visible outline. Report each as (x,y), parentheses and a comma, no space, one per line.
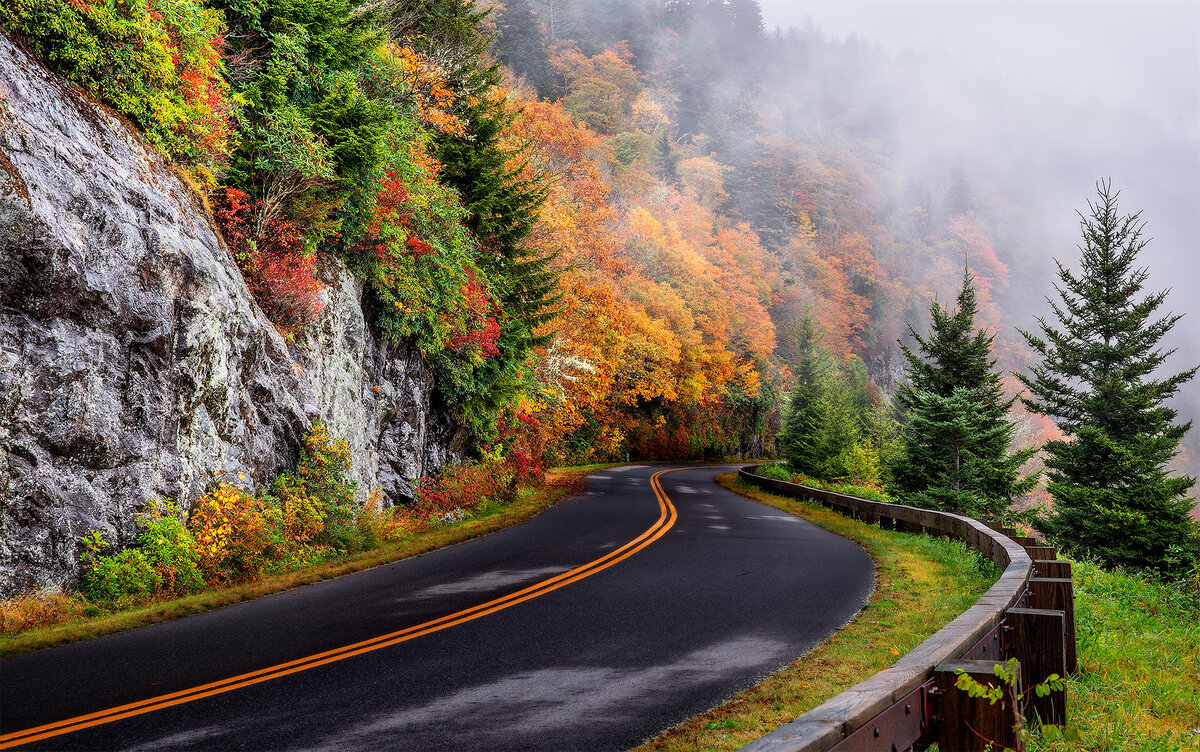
(1143,53)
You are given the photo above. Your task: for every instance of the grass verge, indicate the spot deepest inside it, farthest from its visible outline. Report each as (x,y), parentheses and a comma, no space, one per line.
(1138,687)
(921,584)
(77,621)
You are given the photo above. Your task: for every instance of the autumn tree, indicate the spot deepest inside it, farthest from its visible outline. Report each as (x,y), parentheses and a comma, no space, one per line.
(956,441)
(1100,355)
(601,88)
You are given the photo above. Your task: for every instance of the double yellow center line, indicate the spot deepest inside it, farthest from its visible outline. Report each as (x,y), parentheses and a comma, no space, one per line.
(666,519)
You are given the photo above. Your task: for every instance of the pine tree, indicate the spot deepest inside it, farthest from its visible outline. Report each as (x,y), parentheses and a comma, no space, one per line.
(827,412)
(955,444)
(1112,496)
(812,368)
(666,159)
(950,439)
(503,205)
(521,45)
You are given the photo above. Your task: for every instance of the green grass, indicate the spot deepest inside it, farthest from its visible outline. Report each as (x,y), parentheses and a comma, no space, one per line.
(65,619)
(921,584)
(1138,687)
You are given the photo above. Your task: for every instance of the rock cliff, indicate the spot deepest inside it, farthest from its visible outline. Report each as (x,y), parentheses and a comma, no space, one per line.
(133,362)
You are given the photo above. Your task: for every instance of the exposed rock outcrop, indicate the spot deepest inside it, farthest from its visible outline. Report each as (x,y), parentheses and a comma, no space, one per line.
(133,362)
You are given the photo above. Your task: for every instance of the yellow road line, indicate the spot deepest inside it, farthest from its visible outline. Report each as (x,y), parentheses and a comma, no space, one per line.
(666,519)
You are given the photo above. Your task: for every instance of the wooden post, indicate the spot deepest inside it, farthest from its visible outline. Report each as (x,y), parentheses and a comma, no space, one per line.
(1056,569)
(1036,640)
(1058,594)
(1042,552)
(970,723)
(1024,540)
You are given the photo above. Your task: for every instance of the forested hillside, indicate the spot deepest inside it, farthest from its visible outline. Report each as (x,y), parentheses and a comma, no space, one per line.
(738,181)
(613,228)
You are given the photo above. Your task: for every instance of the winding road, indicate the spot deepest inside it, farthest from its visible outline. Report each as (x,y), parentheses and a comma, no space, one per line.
(609,617)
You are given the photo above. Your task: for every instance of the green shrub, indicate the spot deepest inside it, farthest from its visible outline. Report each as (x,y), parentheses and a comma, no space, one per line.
(783,471)
(862,492)
(156,61)
(321,476)
(170,549)
(164,562)
(107,579)
(775,470)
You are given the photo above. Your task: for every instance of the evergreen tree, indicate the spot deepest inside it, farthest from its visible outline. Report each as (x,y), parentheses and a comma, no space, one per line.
(948,439)
(502,204)
(823,428)
(955,445)
(521,45)
(1112,497)
(666,159)
(811,368)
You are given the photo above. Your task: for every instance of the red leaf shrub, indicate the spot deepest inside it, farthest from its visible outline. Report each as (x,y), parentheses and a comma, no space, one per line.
(458,487)
(481,330)
(392,215)
(280,273)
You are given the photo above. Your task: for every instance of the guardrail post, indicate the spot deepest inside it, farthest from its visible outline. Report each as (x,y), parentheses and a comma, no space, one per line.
(971,724)
(1054,569)
(1042,552)
(1037,642)
(1057,593)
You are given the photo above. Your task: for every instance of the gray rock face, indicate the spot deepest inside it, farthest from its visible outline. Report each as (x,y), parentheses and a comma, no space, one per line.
(133,362)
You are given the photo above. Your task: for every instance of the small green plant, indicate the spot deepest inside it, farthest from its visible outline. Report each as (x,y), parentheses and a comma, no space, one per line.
(1006,694)
(106,579)
(776,471)
(785,472)
(164,561)
(170,548)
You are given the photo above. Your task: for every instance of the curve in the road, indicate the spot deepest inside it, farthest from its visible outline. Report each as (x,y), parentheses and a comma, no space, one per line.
(666,519)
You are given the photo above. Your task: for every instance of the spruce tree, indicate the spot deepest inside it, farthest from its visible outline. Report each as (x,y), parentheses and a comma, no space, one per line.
(502,203)
(955,443)
(521,45)
(666,160)
(812,369)
(1112,496)
(827,411)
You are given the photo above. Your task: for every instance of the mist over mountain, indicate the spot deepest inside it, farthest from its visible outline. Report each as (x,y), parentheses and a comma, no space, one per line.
(1035,102)
(934,133)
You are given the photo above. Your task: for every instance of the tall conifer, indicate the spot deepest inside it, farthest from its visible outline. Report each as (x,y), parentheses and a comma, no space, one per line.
(1112,496)
(503,205)
(827,410)
(955,444)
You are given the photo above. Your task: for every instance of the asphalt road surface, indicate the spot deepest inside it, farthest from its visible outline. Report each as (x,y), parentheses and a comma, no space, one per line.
(609,617)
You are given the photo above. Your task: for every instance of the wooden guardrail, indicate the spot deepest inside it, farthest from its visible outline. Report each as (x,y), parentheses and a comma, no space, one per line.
(1027,614)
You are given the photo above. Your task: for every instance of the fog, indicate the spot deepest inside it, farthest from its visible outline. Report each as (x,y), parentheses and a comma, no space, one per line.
(1144,54)
(1037,101)
(911,120)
